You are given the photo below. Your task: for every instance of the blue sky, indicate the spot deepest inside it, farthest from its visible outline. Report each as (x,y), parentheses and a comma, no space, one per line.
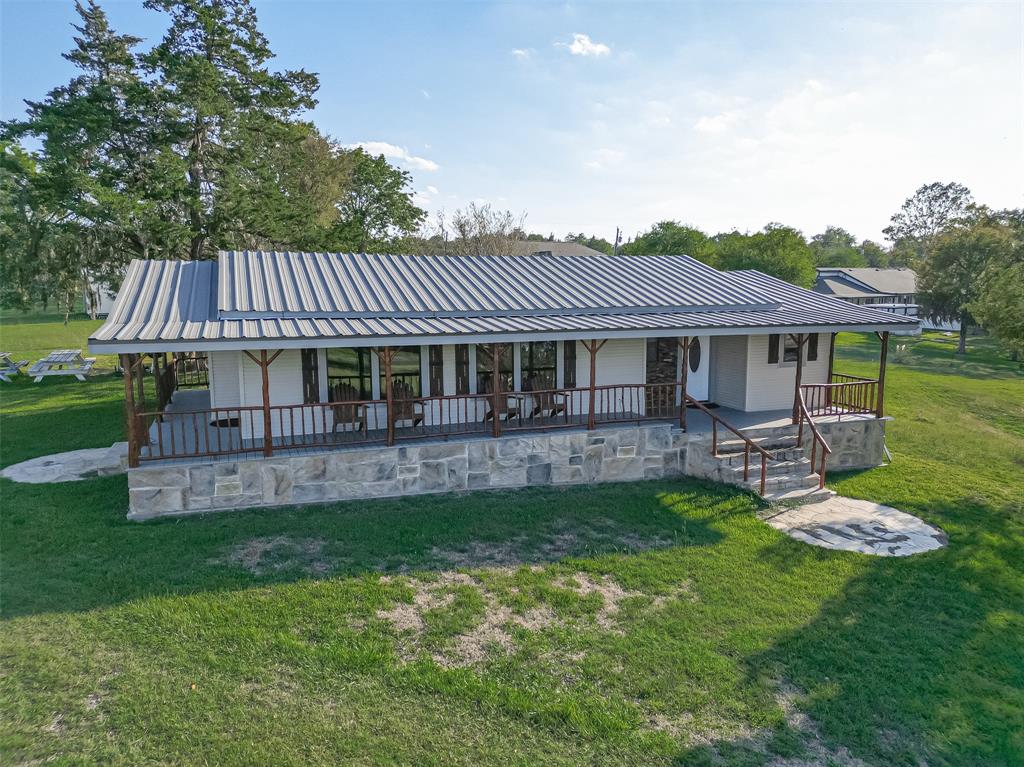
(586,116)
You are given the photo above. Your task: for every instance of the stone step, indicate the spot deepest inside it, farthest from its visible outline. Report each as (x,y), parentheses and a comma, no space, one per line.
(798,467)
(771,444)
(798,497)
(784,482)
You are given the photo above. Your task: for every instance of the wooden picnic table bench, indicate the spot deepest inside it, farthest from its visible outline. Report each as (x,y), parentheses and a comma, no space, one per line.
(63,362)
(10,367)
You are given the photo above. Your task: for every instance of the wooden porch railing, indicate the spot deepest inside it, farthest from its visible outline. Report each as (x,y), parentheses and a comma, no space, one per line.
(818,440)
(844,395)
(748,444)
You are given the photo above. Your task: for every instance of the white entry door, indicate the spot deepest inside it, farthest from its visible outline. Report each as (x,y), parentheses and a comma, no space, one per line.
(700,364)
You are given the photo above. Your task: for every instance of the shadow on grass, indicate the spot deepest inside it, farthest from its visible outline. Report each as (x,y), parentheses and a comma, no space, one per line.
(919,660)
(68,547)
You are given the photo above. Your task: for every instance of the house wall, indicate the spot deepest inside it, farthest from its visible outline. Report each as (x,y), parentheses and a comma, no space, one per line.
(728,380)
(224,379)
(769,386)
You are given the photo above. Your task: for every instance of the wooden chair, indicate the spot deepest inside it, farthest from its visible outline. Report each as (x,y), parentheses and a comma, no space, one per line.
(405,405)
(348,410)
(544,399)
(504,408)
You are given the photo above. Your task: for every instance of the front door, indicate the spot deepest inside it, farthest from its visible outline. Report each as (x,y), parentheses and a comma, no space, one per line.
(699,364)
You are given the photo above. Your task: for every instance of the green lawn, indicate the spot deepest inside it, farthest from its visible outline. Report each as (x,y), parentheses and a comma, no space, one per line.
(650,623)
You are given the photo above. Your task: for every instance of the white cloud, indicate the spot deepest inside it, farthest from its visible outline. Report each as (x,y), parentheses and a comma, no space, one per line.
(605,158)
(716,123)
(432,189)
(425,93)
(521,53)
(393,152)
(582,45)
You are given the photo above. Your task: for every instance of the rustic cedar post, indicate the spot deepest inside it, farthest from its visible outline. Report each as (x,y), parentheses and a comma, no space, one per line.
(799,375)
(140,380)
(684,344)
(496,351)
(831,362)
(387,357)
(593,347)
(264,363)
(884,338)
(127,364)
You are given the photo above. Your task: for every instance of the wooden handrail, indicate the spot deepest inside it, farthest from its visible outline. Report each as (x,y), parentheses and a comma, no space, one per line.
(818,440)
(748,443)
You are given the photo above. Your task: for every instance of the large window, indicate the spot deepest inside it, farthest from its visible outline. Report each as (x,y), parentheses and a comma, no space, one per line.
(406,372)
(436,365)
(569,364)
(462,369)
(538,360)
(485,367)
(310,377)
(348,375)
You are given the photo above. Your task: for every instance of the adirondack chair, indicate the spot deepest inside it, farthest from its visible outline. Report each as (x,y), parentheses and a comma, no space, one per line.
(404,404)
(506,408)
(544,399)
(347,410)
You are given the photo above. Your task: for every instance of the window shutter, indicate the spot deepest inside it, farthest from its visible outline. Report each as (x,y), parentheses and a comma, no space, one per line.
(569,364)
(812,347)
(773,349)
(462,369)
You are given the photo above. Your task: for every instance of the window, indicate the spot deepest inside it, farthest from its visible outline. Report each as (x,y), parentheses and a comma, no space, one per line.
(773,349)
(694,355)
(435,364)
(569,364)
(405,371)
(310,376)
(791,349)
(348,375)
(812,347)
(462,369)
(485,367)
(538,361)
(661,360)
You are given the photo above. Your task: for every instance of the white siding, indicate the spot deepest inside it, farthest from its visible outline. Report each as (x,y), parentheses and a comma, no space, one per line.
(285,379)
(224,388)
(620,361)
(728,379)
(770,386)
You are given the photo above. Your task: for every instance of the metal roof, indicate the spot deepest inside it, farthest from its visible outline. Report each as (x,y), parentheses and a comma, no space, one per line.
(259,284)
(172,305)
(874,280)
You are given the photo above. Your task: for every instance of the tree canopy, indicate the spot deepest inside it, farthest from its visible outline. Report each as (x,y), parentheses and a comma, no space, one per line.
(670,238)
(778,250)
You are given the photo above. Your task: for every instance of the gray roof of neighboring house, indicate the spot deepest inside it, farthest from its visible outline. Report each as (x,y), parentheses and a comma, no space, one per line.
(246,301)
(552,248)
(872,281)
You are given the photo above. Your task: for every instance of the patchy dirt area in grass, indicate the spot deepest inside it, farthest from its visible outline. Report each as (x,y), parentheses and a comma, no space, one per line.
(492,631)
(279,553)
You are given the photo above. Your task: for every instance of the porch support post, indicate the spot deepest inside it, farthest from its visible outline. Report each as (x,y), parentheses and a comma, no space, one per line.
(593,347)
(127,365)
(799,376)
(387,356)
(684,344)
(880,403)
(831,364)
(496,350)
(140,380)
(268,431)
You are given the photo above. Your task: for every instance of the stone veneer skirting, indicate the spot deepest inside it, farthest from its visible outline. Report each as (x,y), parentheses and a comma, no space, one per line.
(557,458)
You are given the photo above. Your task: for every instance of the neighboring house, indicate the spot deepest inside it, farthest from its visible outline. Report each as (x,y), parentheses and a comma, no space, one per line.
(890,290)
(97,298)
(551,248)
(338,376)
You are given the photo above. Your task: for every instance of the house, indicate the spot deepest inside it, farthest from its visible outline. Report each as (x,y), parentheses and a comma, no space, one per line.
(551,248)
(889,290)
(335,376)
(97,298)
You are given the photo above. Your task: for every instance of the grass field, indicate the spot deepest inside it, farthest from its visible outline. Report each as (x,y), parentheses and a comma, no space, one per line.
(649,623)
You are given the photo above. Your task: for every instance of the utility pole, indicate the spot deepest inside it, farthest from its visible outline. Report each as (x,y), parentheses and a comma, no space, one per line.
(618,241)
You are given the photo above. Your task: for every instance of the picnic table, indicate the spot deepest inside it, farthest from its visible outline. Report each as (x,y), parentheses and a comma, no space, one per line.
(63,362)
(8,367)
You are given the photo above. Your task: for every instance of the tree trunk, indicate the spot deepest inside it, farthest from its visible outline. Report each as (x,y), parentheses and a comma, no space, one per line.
(962,346)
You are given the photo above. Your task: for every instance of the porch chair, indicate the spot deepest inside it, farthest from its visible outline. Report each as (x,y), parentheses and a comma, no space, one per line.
(405,405)
(348,410)
(504,409)
(544,399)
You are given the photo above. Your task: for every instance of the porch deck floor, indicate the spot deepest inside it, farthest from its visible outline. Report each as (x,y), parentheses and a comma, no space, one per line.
(187,436)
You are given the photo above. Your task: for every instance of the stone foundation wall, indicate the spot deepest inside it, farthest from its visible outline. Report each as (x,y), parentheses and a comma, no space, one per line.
(558,458)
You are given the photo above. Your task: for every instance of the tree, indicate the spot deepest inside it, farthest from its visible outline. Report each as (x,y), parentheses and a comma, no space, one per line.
(926,215)
(378,209)
(477,230)
(670,238)
(949,280)
(999,304)
(836,247)
(874,254)
(777,250)
(591,241)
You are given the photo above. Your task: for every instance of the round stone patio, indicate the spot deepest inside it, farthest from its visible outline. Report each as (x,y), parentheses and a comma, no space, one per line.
(70,466)
(847,524)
